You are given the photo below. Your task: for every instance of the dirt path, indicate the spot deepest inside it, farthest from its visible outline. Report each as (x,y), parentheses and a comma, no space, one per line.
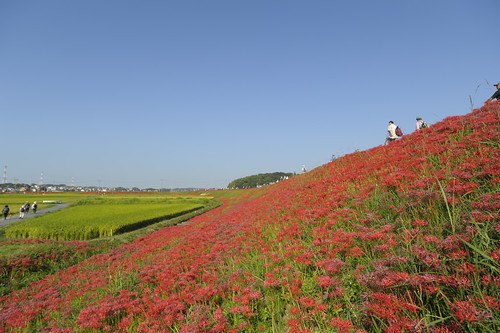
(30,215)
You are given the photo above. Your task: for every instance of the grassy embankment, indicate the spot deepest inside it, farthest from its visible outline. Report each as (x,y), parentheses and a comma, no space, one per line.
(404,237)
(33,248)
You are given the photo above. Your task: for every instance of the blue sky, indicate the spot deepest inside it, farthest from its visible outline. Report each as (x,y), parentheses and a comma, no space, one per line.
(199,93)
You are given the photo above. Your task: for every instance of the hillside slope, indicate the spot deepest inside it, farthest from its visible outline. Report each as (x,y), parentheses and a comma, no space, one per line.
(403,237)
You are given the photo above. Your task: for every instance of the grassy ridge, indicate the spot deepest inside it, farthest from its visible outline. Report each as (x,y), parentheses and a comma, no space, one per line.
(398,238)
(24,261)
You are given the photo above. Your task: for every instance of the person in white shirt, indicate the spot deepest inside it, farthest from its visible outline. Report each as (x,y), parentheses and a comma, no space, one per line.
(392,132)
(420,124)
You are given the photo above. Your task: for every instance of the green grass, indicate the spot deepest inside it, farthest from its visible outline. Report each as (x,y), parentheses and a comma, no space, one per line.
(103,217)
(24,261)
(15,201)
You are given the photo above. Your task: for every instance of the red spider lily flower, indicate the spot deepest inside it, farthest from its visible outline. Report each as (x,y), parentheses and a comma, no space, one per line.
(356,251)
(342,325)
(467,311)
(271,282)
(332,265)
(307,302)
(420,223)
(326,281)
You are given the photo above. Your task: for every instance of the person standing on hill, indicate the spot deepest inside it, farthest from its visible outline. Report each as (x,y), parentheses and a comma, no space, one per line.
(420,124)
(496,95)
(392,132)
(5,211)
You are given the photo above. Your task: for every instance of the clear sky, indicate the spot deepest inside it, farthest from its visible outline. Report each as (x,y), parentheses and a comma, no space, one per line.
(199,93)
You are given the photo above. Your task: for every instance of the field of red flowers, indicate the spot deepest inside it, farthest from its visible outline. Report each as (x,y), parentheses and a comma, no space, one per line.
(404,237)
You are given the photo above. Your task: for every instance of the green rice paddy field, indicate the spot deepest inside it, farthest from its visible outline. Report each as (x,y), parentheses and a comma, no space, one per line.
(15,201)
(93,223)
(92,217)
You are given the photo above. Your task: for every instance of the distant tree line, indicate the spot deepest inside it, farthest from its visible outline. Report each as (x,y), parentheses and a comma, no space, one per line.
(13,185)
(27,187)
(259,180)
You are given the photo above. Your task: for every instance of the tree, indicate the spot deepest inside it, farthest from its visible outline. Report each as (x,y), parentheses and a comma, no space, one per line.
(259,180)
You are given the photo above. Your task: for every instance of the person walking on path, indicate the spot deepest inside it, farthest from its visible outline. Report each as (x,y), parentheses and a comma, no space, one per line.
(5,212)
(13,218)
(27,207)
(21,212)
(392,132)
(35,207)
(496,95)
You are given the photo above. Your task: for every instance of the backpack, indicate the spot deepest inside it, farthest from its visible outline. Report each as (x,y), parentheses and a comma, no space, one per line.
(424,125)
(399,132)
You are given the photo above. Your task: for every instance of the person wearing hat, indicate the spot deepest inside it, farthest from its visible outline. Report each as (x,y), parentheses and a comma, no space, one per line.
(496,95)
(420,124)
